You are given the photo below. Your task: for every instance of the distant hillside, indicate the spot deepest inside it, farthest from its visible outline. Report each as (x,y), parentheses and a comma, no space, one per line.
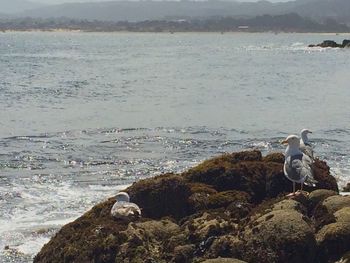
(279,23)
(321,10)
(149,10)
(16,6)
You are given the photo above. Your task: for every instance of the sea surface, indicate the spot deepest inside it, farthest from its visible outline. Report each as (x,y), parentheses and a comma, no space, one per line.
(85,114)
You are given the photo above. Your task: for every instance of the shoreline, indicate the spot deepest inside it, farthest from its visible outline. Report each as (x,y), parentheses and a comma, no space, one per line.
(170,32)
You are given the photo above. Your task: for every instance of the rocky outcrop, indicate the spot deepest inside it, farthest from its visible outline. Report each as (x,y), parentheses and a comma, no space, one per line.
(232,208)
(332,44)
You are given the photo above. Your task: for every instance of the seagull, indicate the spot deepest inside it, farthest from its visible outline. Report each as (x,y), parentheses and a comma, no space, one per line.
(297,165)
(305,145)
(123,209)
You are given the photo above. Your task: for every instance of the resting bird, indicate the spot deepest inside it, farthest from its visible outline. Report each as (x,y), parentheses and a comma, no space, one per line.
(305,145)
(123,209)
(297,165)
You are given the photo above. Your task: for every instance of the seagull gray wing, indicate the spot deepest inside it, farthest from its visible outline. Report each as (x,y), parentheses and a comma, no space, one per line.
(307,149)
(307,162)
(297,168)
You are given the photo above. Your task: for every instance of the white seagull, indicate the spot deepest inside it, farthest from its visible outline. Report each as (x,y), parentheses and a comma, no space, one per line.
(305,145)
(297,165)
(123,209)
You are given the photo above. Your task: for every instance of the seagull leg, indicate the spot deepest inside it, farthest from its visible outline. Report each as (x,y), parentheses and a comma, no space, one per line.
(293,188)
(292,194)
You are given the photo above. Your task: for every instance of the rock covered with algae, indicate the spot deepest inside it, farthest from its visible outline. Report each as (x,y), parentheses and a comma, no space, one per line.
(231,208)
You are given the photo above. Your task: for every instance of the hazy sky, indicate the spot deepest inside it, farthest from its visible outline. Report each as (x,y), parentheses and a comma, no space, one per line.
(66,1)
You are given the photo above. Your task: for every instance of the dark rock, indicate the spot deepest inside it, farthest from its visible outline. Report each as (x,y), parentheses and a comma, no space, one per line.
(332,44)
(274,157)
(228,173)
(323,177)
(346,43)
(164,195)
(226,198)
(345,258)
(333,241)
(94,236)
(323,214)
(329,43)
(231,206)
(208,224)
(183,254)
(336,202)
(150,241)
(343,215)
(319,195)
(223,260)
(321,217)
(225,246)
(280,236)
(347,188)
(290,204)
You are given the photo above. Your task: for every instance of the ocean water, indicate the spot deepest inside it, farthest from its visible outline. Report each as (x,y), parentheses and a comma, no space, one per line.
(85,114)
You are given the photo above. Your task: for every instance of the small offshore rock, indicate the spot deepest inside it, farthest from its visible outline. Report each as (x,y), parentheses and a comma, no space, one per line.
(332,44)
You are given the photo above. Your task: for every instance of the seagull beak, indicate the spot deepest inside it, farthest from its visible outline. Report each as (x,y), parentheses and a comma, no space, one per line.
(310,131)
(284,142)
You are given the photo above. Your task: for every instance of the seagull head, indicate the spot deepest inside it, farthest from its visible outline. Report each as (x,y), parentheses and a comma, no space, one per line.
(122,197)
(292,141)
(304,133)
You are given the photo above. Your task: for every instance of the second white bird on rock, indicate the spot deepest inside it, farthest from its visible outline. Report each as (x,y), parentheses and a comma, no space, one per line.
(305,145)
(123,209)
(297,165)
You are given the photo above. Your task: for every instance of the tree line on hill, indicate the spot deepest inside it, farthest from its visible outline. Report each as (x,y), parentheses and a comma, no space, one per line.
(279,23)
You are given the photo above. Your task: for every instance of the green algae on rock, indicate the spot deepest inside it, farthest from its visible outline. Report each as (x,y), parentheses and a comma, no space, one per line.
(231,206)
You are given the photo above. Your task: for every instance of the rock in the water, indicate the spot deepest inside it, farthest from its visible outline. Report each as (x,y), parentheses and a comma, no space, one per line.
(329,43)
(332,44)
(231,206)
(346,43)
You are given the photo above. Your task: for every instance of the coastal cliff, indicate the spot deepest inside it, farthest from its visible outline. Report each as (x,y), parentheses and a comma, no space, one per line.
(232,208)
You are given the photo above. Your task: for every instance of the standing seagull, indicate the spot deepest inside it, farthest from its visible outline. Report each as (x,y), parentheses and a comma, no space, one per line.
(123,209)
(297,165)
(305,145)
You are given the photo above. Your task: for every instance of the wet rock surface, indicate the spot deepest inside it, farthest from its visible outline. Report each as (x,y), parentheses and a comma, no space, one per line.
(232,208)
(332,44)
